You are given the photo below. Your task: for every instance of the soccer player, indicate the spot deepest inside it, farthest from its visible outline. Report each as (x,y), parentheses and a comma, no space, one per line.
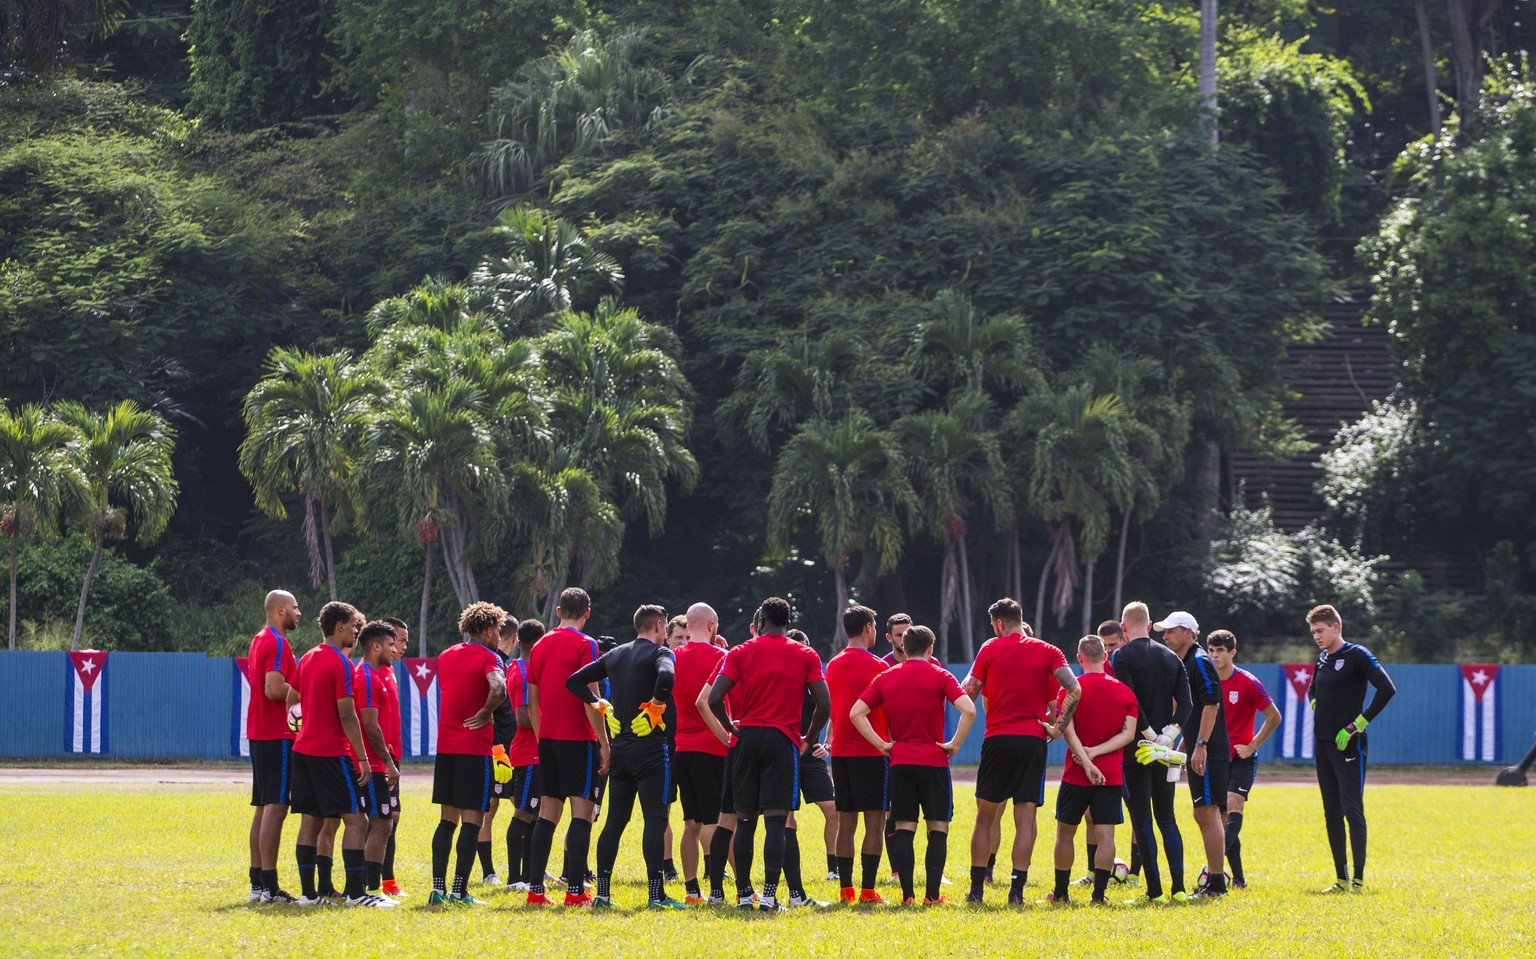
(272,669)
(504,729)
(1156,676)
(895,627)
(1104,724)
(773,672)
(471,684)
(699,764)
(369,697)
(327,773)
(677,635)
(390,719)
(1205,743)
(815,788)
(912,697)
(524,756)
(1111,635)
(1018,674)
(1243,696)
(1338,689)
(573,748)
(641,675)
(722,843)
(860,768)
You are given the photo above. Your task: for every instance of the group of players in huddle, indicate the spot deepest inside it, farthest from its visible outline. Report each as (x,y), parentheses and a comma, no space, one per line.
(537,719)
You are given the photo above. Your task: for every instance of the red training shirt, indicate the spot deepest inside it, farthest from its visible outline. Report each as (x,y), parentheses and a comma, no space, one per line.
(268,718)
(369,692)
(325,676)
(389,714)
(461,672)
(695,666)
(1244,697)
(912,695)
(848,675)
(771,673)
(1099,718)
(555,657)
(1017,676)
(525,745)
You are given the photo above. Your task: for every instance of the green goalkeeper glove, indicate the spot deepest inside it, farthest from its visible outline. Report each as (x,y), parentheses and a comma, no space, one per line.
(649,719)
(1150,752)
(606,708)
(502,768)
(1353,729)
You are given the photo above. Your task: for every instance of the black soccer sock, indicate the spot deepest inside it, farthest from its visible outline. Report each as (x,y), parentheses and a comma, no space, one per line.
(1063,880)
(542,837)
(483,850)
(1235,845)
(844,867)
(792,863)
(653,841)
(658,885)
(719,850)
(1216,882)
(469,840)
(708,859)
(1357,847)
(933,862)
(269,880)
(774,836)
(832,862)
(899,847)
(669,865)
(373,873)
(305,855)
(527,855)
(978,879)
(442,847)
(256,885)
(389,856)
(604,882)
(691,886)
(1100,883)
(1093,855)
(323,867)
(1016,881)
(741,844)
(991,863)
(869,866)
(1135,859)
(353,864)
(578,840)
(517,836)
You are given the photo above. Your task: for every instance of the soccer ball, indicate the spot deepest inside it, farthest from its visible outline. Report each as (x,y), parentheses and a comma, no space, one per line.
(1121,871)
(295,717)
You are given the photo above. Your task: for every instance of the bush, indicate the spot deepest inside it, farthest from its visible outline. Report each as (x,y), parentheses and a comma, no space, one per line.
(130,608)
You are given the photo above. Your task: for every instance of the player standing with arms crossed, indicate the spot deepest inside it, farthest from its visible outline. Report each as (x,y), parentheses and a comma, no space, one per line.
(860,766)
(1338,689)
(271,669)
(1243,696)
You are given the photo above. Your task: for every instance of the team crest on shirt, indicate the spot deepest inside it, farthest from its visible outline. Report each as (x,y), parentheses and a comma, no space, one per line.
(1232,697)
(1338,664)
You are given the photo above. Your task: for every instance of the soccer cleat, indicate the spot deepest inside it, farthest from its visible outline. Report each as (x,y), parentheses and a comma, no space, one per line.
(584,899)
(519,887)
(973,898)
(367,901)
(1146,900)
(909,901)
(670,875)
(1357,885)
(832,875)
(746,902)
(1339,885)
(770,904)
(715,899)
(1206,893)
(389,899)
(1181,897)
(392,888)
(988,877)
(668,903)
(1239,884)
(602,902)
(257,895)
(941,901)
(847,896)
(539,899)
(804,902)
(491,879)
(893,880)
(692,900)
(1015,898)
(1098,901)
(1085,881)
(438,899)
(1051,899)
(466,900)
(868,897)
(312,901)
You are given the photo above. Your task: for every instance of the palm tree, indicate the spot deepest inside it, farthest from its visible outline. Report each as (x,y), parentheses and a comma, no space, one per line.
(304,424)
(846,476)
(547,265)
(36,35)
(954,465)
(576,530)
(797,378)
(39,479)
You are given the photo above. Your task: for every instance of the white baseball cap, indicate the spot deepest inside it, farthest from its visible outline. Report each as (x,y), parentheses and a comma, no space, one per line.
(1177,618)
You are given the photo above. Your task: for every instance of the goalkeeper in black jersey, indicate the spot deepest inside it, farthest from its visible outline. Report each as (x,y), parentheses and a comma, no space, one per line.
(1337,696)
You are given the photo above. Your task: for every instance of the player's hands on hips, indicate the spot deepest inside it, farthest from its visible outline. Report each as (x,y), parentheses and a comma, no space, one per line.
(950,748)
(605,708)
(648,720)
(820,751)
(1197,760)
(478,720)
(1051,732)
(1243,751)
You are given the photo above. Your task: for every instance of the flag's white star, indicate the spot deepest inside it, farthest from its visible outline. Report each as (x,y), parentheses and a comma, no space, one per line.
(1302,676)
(423,671)
(88,666)
(1479,678)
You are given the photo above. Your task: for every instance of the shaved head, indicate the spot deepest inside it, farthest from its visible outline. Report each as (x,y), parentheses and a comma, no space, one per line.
(702,623)
(279,598)
(282,611)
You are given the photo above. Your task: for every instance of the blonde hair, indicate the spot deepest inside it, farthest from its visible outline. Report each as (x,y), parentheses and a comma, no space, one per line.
(1136,612)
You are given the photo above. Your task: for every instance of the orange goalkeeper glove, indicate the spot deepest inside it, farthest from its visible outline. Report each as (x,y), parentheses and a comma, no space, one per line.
(649,719)
(502,768)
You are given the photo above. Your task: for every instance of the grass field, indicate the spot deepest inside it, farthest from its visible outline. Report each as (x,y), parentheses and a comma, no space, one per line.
(144,870)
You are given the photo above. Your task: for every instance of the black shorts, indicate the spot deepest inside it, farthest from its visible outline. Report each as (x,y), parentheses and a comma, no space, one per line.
(462,781)
(815,780)
(644,769)
(323,786)
(921,790)
(699,778)
(525,788)
(1240,775)
(271,771)
(568,769)
(767,772)
(1012,767)
(377,797)
(1103,801)
(728,783)
(1211,788)
(863,783)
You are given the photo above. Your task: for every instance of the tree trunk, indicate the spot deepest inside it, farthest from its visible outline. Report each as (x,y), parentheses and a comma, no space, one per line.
(1431,76)
(330,554)
(85,590)
(1087,597)
(451,569)
(1125,534)
(426,599)
(1018,564)
(556,587)
(1208,103)
(312,543)
(15,551)
(967,610)
(1208,486)
(1469,23)
(948,594)
(1045,573)
(840,584)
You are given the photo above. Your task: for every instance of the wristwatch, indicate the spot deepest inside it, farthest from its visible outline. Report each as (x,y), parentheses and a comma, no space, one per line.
(1199,742)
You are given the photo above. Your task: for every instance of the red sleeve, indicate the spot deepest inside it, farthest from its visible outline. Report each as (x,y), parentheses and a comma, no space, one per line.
(536,663)
(979,668)
(731,667)
(492,662)
(343,689)
(871,695)
(1130,701)
(1058,659)
(813,671)
(952,690)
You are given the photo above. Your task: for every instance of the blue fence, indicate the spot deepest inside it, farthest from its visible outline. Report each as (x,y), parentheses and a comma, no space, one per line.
(182,705)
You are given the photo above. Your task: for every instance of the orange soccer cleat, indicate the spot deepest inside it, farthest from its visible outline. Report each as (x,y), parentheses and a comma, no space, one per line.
(868,897)
(539,899)
(583,899)
(941,901)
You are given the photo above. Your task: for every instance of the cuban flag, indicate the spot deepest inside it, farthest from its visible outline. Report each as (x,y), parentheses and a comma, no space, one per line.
(1296,735)
(85,702)
(418,706)
(1480,713)
(239,743)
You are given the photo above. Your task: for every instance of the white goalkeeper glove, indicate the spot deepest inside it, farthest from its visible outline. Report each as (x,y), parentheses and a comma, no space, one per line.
(1168,736)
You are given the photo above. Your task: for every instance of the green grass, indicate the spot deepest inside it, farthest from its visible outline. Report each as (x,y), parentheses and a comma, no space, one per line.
(160,871)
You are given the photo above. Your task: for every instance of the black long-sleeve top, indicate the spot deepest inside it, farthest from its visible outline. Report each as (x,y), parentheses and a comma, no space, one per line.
(1338,689)
(637,672)
(1155,674)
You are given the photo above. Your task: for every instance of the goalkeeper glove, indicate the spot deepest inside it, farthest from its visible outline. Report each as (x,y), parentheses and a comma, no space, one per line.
(1169,734)
(1353,729)
(502,768)
(1150,752)
(649,719)
(606,708)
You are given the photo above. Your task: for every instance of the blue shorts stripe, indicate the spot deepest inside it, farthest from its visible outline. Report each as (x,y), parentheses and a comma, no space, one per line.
(282,777)
(522,801)
(1205,782)
(485,790)
(586,786)
(346,775)
(666,774)
(949,776)
(794,792)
